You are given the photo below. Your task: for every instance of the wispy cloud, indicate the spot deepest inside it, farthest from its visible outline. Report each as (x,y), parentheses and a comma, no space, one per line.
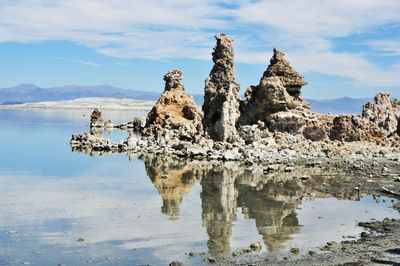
(307,30)
(82,62)
(390,47)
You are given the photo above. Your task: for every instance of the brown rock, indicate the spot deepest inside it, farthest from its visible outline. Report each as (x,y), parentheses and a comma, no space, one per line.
(280,67)
(384,112)
(354,128)
(96,119)
(291,122)
(175,110)
(319,129)
(279,90)
(221,98)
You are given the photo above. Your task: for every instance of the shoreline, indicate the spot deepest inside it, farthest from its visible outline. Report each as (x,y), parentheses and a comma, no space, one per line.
(87,103)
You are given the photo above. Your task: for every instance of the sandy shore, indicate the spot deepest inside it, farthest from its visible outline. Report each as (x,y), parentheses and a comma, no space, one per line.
(88,103)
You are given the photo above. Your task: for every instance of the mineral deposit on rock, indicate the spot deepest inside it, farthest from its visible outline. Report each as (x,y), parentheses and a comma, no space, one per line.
(277,100)
(354,128)
(384,112)
(221,99)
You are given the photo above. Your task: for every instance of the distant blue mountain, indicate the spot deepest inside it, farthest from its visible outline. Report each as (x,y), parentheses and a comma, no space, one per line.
(343,105)
(27,93)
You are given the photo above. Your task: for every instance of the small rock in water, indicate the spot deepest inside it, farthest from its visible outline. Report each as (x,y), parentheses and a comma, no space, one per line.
(295,250)
(256,246)
(210,260)
(80,239)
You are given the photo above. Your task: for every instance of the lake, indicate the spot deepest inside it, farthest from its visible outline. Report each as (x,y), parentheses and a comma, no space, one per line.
(60,207)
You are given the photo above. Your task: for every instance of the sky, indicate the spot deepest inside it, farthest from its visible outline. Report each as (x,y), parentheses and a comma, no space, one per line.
(342,47)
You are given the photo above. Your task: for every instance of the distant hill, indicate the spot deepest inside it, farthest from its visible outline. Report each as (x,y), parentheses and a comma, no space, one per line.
(343,105)
(30,93)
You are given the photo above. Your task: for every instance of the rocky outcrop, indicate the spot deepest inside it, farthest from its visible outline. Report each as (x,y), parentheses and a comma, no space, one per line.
(277,100)
(273,120)
(96,119)
(319,129)
(384,112)
(175,117)
(93,141)
(354,128)
(137,124)
(221,98)
(280,67)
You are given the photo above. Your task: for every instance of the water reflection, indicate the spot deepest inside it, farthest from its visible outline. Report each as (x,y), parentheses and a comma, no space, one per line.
(218,202)
(154,209)
(268,199)
(172,181)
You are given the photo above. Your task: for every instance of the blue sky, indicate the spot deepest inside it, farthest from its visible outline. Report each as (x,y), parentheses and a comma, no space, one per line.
(342,47)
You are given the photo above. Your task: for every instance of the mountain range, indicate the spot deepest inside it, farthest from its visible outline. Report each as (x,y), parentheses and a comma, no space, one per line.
(28,93)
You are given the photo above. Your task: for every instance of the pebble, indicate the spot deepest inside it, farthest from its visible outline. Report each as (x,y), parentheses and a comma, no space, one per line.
(210,260)
(295,250)
(256,246)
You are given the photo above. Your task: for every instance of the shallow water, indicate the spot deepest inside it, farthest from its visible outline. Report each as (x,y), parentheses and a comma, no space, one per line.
(124,211)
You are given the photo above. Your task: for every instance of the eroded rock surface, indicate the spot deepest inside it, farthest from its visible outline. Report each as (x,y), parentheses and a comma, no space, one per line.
(384,112)
(277,99)
(354,128)
(221,98)
(175,117)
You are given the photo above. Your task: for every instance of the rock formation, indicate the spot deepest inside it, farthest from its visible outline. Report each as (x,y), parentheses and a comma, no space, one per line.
(96,119)
(273,121)
(175,115)
(280,67)
(384,112)
(354,128)
(319,129)
(221,98)
(277,100)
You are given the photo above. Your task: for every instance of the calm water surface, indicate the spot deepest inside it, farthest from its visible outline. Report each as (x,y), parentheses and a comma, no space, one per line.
(63,207)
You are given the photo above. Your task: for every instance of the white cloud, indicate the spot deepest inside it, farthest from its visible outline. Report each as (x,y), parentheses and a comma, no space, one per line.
(166,29)
(328,18)
(82,62)
(391,47)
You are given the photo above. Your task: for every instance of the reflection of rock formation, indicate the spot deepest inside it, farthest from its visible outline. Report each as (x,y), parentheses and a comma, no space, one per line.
(218,198)
(273,208)
(172,181)
(270,199)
